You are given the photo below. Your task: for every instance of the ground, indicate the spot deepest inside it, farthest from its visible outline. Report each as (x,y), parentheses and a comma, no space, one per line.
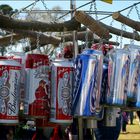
(133,132)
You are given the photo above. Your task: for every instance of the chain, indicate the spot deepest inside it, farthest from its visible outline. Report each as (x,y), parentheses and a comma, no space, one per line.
(11,39)
(86,35)
(96,16)
(123,28)
(86,38)
(138,13)
(62,44)
(29,12)
(29,43)
(38,42)
(45,6)
(133,39)
(95,9)
(23,9)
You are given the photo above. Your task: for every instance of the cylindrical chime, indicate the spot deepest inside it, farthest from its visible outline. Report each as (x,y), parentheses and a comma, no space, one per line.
(37,71)
(62,71)
(9,91)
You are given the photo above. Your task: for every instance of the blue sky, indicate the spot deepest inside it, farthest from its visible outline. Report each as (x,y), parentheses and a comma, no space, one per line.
(101,6)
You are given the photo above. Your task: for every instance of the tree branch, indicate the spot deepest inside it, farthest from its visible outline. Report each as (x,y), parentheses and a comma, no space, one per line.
(92,24)
(9,23)
(119,32)
(131,23)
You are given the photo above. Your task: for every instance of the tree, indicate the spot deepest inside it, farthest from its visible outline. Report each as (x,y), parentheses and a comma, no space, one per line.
(6,9)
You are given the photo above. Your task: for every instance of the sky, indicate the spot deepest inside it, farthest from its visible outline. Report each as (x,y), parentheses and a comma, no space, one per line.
(101,6)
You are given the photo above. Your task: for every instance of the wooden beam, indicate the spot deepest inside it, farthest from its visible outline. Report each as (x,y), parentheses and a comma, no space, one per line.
(91,24)
(129,22)
(9,23)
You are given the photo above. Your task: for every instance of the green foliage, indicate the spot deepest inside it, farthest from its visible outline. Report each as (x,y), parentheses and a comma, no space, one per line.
(6,9)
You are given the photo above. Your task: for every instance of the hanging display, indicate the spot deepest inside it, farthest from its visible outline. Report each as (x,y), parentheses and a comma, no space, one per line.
(62,71)
(9,91)
(37,86)
(86,96)
(118,72)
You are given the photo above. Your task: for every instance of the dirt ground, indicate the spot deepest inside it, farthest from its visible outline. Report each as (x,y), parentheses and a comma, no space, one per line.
(133,132)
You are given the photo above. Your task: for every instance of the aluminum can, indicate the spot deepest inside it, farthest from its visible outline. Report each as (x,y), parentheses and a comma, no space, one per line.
(20,57)
(118,72)
(9,91)
(138,91)
(97,88)
(37,71)
(62,71)
(133,72)
(84,100)
(99,111)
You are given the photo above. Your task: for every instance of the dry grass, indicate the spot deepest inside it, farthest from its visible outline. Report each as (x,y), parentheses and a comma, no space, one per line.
(133,132)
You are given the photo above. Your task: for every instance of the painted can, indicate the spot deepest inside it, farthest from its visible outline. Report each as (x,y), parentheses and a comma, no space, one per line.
(95,86)
(84,97)
(9,91)
(99,60)
(133,72)
(20,57)
(62,71)
(118,72)
(37,71)
(138,91)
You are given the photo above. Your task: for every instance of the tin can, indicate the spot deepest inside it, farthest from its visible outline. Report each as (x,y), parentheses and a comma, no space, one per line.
(37,86)
(20,57)
(138,91)
(133,73)
(118,72)
(62,88)
(9,91)
(84,100)
(99,111)
(97,88)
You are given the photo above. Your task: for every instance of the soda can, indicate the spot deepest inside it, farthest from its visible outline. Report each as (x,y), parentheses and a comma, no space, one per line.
(118,72)
(9,91)
(99,111)
(133,72)
(97,88)
(138,91)
(84,100)
(20,57)
(62,71)
(37,71)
